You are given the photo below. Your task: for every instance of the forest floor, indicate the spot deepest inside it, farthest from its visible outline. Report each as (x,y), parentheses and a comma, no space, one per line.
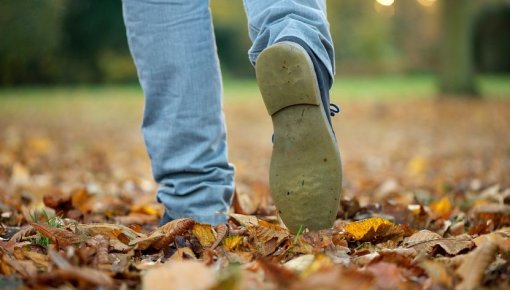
(425,201)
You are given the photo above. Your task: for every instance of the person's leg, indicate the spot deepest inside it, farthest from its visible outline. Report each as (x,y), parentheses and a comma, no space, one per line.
(272,21)
(293,57)
(173,47)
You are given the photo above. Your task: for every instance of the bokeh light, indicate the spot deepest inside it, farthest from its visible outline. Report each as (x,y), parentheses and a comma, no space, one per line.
(386,2)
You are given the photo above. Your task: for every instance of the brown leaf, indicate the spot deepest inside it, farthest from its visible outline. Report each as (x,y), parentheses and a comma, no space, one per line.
(439,275)
(425,242)
(474,265)
(267,237)
(245,220)
(101,244)
(388,275)
(82,275)
(119,232)
(184,253)
(82,200)
(280,275)
(222,231)
(171,230)
(244,203)
(60,237)
(177,275)
(336,278)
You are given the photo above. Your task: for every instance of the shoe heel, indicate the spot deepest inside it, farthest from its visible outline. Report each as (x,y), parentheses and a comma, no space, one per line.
(279,69)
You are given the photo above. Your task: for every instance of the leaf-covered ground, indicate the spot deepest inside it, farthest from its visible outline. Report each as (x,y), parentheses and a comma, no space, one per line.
(426,202)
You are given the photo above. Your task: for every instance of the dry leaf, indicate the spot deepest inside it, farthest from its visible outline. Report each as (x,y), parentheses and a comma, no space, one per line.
(183,254)
(244,203)
(204,233)
(267,237)
(440,276)
(474,265)
(280,275)
(119,232)
(374,229)
(245,220)
(388,275)
(178,275)
(299,264)
(40,260)
(442,208)
(222,231)
(232,242)
(425,242)
(82,200)
(60,237)
(171,230)
(336,278)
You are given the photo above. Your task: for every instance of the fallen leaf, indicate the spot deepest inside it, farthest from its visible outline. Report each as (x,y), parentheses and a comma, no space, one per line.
(299,264)
(474,264)
(62,238)
(442,208)
(267,237)
(373,229)
(178,275)
(440,276)
(171,230)
(183,254)
(387,275)
(82,200)
(232,242)
(425,242)
(245,220)
(204,233)
(280,275)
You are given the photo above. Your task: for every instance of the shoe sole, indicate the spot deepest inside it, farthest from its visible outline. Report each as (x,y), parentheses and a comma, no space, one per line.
(305,175)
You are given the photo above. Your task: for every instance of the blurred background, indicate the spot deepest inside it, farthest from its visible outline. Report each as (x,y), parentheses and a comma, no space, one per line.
(83,42)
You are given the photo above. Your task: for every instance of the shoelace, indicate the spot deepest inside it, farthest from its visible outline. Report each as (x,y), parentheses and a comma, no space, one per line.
(333,109)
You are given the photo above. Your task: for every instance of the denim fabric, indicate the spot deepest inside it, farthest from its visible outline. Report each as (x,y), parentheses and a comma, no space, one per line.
(173,46)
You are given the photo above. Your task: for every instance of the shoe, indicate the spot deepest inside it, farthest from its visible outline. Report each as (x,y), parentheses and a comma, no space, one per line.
(305,174)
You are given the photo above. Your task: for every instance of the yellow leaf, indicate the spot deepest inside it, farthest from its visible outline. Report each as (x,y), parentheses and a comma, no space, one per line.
(417,165)
(442,207)
(231,242)
(364,229)
(320,262)
(204,234)
(40,145)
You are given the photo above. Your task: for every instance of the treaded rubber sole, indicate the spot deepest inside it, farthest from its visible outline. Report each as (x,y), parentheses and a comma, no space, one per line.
(305,175)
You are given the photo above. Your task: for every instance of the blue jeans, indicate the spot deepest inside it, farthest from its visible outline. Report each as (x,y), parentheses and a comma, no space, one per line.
(173,46)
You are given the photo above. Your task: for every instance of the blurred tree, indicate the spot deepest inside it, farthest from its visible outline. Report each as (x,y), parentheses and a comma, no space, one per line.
(93,38)
(456,71)
(492,40)
(30,35)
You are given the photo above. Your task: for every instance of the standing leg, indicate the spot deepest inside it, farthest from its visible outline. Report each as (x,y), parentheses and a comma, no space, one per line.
(173,47)
(294,63)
